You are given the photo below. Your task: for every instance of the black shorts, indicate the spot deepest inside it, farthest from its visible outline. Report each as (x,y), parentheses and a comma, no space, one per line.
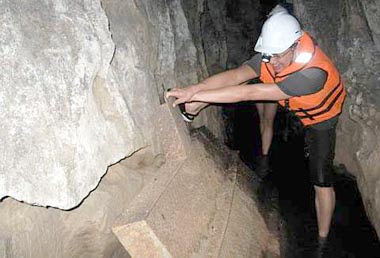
(321,148)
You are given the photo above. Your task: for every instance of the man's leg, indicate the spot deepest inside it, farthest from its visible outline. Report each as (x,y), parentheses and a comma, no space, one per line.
(324,205)
(321,145)
(260,111)
(267,113)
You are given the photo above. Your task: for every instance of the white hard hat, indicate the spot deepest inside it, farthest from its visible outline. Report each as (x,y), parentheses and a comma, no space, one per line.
(277,9)
(278,33)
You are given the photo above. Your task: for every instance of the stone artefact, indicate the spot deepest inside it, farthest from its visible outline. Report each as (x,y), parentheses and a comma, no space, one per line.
(140,240)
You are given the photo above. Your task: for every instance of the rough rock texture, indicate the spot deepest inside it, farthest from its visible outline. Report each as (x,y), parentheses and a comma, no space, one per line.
(63,122)
(244,20)
(79,87)
(207,28)
(193,204)
(82,83)
(348,30)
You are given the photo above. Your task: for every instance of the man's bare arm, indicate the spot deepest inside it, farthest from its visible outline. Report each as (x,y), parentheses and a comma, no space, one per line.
(239,93)
(228,78)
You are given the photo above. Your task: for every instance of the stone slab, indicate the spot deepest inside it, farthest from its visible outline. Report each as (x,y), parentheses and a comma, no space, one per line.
(173,133)
(196,209)
(190,216)
(140,240)
(143,203)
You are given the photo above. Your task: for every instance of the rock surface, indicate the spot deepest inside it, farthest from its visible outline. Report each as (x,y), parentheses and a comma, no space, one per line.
(193,205)
(79,87)
(58,131)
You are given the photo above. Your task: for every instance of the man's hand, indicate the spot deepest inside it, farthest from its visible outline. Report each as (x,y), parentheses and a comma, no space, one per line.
(185,95)
(182,95)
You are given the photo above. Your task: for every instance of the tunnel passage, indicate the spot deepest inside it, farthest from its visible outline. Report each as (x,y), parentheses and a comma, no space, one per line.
(82,85)
(352,232)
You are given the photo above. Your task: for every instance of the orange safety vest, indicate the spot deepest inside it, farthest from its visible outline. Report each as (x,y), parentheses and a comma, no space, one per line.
(317,107)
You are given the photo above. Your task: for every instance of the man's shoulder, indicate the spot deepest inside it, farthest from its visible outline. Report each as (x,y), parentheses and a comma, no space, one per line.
(254,62)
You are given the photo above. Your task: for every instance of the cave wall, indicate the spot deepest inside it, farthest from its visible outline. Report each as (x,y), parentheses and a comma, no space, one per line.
(82,88)
(348,30)
(206,22)
(244,19)
(54,135)
(80,84)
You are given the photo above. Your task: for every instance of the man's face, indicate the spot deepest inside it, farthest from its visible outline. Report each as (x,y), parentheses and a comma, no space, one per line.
(282,60)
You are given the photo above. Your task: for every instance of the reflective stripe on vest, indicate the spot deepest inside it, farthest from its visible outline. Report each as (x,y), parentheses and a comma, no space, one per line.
(319,106)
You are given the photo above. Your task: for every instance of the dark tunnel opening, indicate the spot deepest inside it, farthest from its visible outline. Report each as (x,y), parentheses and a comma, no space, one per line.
(352,235)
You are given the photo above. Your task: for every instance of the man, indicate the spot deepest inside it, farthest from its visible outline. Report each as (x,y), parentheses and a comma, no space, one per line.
(296,73)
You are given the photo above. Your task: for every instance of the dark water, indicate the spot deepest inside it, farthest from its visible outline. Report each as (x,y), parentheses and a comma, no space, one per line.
(351,233)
